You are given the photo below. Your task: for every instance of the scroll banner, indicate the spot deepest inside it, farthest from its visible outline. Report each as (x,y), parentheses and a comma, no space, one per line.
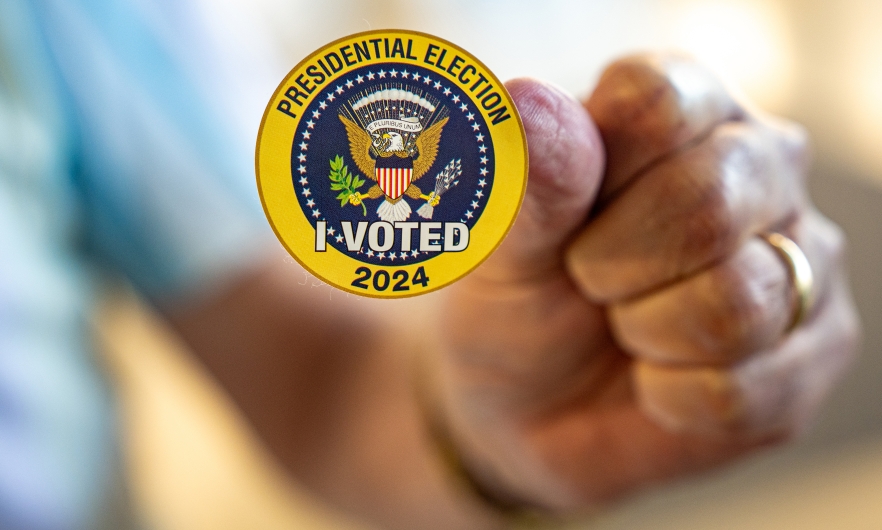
(407,125)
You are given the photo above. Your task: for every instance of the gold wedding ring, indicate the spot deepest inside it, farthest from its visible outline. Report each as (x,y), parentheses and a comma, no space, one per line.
(800,273)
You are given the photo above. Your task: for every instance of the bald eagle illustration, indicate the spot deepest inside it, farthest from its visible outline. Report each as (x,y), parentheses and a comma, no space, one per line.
(393,150)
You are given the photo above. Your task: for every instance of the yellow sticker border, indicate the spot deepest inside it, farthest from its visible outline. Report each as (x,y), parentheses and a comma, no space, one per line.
(293,228)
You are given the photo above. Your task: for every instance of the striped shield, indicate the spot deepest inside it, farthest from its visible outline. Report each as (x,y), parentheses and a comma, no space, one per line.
(393,175)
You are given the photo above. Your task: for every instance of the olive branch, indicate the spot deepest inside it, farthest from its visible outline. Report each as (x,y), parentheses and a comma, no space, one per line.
(342,179)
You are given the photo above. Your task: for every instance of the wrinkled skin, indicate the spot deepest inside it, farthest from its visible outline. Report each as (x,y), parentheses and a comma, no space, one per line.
(632,327)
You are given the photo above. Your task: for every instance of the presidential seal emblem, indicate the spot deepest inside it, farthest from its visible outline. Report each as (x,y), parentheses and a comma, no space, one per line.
(391,163)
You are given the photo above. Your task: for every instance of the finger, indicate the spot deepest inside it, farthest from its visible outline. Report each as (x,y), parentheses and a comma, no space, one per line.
(649,106)
(690,419)
(535,328)
(691,210)
(566,163)
(734,309)
(773,394)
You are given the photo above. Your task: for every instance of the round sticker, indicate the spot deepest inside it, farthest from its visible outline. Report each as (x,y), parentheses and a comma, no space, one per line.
(391,163)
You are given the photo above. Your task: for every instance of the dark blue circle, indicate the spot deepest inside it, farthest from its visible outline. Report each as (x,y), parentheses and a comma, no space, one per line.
(321,137)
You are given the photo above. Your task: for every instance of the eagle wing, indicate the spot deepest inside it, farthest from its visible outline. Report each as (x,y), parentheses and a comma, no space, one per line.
(360,147)
(427,144)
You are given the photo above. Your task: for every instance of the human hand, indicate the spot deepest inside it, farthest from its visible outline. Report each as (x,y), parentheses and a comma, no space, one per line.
(632,327)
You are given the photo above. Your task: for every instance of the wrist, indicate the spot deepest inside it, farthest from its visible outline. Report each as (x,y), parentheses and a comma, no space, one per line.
(467,472)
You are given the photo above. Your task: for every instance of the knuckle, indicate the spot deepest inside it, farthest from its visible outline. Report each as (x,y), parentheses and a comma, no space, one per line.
(635,82)
(734,320)
(733,409)
(742,148)
(793,139)
(735,309)
(591,277)
(709,227)
(711,184)
(745,154)
(701,400)
(661,98)
(760,167)
(723,407)
(632,91)
(695,209)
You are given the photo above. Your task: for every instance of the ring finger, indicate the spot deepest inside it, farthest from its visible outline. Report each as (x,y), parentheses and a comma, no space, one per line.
(740,306)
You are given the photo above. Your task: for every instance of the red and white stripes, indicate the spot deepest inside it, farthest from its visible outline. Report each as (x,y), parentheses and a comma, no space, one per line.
(393,180)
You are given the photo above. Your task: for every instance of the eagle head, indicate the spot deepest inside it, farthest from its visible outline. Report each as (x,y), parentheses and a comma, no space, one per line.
(393,142)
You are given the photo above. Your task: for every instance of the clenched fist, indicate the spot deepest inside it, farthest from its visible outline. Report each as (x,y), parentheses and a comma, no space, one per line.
(634,326)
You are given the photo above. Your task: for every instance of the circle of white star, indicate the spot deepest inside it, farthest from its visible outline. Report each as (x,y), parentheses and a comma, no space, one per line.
(339,90)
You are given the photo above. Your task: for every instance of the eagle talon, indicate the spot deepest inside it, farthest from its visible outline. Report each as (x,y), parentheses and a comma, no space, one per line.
(432,199)
(355,198)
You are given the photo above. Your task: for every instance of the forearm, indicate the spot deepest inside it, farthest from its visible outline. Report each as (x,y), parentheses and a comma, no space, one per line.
(332,399)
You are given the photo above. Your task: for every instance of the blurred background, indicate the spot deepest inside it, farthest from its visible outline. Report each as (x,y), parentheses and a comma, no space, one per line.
(195,465)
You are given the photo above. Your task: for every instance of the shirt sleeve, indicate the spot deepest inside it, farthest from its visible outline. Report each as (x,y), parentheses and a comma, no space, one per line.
(169,192)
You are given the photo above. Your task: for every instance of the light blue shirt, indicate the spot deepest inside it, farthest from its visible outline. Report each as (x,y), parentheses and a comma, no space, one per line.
(111,159)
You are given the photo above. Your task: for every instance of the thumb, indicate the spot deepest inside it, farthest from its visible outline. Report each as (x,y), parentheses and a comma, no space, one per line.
(566,164)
